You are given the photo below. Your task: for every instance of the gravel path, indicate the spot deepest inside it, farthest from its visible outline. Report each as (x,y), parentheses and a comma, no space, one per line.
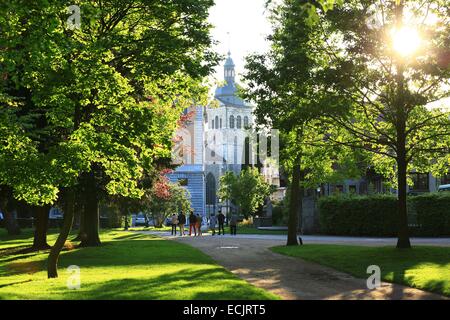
(249,257)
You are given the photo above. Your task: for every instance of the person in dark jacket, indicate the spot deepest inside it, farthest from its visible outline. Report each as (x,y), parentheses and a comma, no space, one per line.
(192,223)
(233,224)
(221,221)
(181,223)
(174,224)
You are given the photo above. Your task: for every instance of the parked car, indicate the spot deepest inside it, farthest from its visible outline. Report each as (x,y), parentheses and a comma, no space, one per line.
(55,213)
(444,187)
(168,221)
(140,220)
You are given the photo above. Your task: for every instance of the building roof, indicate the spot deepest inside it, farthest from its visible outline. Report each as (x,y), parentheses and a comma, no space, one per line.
(228,94)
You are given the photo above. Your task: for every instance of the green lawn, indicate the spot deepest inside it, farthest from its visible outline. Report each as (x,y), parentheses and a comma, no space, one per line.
(126,266)
(25,238)
(422,267)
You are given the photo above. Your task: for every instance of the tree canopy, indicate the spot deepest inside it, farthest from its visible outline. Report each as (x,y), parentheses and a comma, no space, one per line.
(248,190)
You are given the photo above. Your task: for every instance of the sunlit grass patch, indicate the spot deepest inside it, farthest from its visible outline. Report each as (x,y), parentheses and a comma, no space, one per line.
(126,266)
(423,267)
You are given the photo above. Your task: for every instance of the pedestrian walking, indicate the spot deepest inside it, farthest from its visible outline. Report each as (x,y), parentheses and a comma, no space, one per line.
(221,221)
(174,222)
(233,224)
(199,225)
(192,223)
(181,223)
(212,223)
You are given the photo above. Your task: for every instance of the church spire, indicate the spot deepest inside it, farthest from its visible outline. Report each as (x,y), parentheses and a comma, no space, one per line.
(229,73)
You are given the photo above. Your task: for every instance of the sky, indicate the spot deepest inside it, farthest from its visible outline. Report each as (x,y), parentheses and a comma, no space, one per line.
(247,25)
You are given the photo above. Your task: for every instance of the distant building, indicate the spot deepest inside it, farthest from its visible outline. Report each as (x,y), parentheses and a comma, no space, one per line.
(373,183)
(225,125)
(189,156)
(217,140)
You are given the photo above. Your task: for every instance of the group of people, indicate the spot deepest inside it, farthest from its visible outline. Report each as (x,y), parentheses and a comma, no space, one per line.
(195,223)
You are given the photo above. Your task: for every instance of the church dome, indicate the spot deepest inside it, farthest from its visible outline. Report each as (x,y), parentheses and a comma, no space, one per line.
(228,93)
(229,62)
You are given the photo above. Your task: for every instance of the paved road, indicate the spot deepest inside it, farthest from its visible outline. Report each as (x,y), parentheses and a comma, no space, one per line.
(249,257)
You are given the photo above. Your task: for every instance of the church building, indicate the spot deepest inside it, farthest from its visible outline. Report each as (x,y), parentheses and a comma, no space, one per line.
(226,122)
(215,140)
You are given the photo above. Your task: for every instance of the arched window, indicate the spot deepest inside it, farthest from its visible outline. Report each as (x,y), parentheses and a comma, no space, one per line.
(245,122)
(235,161)
(212,125)
(232,122)
(238,122)
(246,156)
(210,189)
(220,126)
(217,122)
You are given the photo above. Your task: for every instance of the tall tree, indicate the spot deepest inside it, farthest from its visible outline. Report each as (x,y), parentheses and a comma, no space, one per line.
(247,191)
(385,77)
(282,85)
(110,93)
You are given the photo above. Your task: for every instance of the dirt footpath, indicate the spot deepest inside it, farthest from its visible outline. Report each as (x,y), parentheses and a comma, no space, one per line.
(292,278)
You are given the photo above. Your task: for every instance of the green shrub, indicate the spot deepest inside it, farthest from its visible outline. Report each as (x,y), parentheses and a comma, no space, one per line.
(433,213)
(358,215)
(111,217)
(279,216)
(377,215)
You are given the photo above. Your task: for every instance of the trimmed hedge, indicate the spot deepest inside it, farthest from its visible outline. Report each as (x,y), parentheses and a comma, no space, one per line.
(433,213)
(358,215)
(377,215)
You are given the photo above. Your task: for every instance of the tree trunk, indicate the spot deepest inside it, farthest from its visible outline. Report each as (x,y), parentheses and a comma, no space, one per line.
(127,225)
(403,232)
(402,164)
(90,236)
(79,208)
(7,206)
(11,224)
(300,202)
(52,268)
(294,206)
(41,227)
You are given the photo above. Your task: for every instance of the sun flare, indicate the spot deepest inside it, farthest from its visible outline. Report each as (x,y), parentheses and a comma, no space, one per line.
(405,41)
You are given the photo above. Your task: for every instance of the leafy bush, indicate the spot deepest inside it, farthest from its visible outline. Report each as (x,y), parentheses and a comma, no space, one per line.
(111,217)
(358,215)
(377,215)
(279,215)
(433,213)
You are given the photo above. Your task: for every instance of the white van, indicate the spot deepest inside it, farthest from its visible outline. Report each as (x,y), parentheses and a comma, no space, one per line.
(444,187)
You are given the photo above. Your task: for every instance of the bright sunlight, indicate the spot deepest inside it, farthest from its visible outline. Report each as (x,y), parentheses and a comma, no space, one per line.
(405,41)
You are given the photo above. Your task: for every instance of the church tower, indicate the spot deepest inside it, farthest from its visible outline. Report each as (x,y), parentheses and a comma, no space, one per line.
(225,132)
(229,73)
